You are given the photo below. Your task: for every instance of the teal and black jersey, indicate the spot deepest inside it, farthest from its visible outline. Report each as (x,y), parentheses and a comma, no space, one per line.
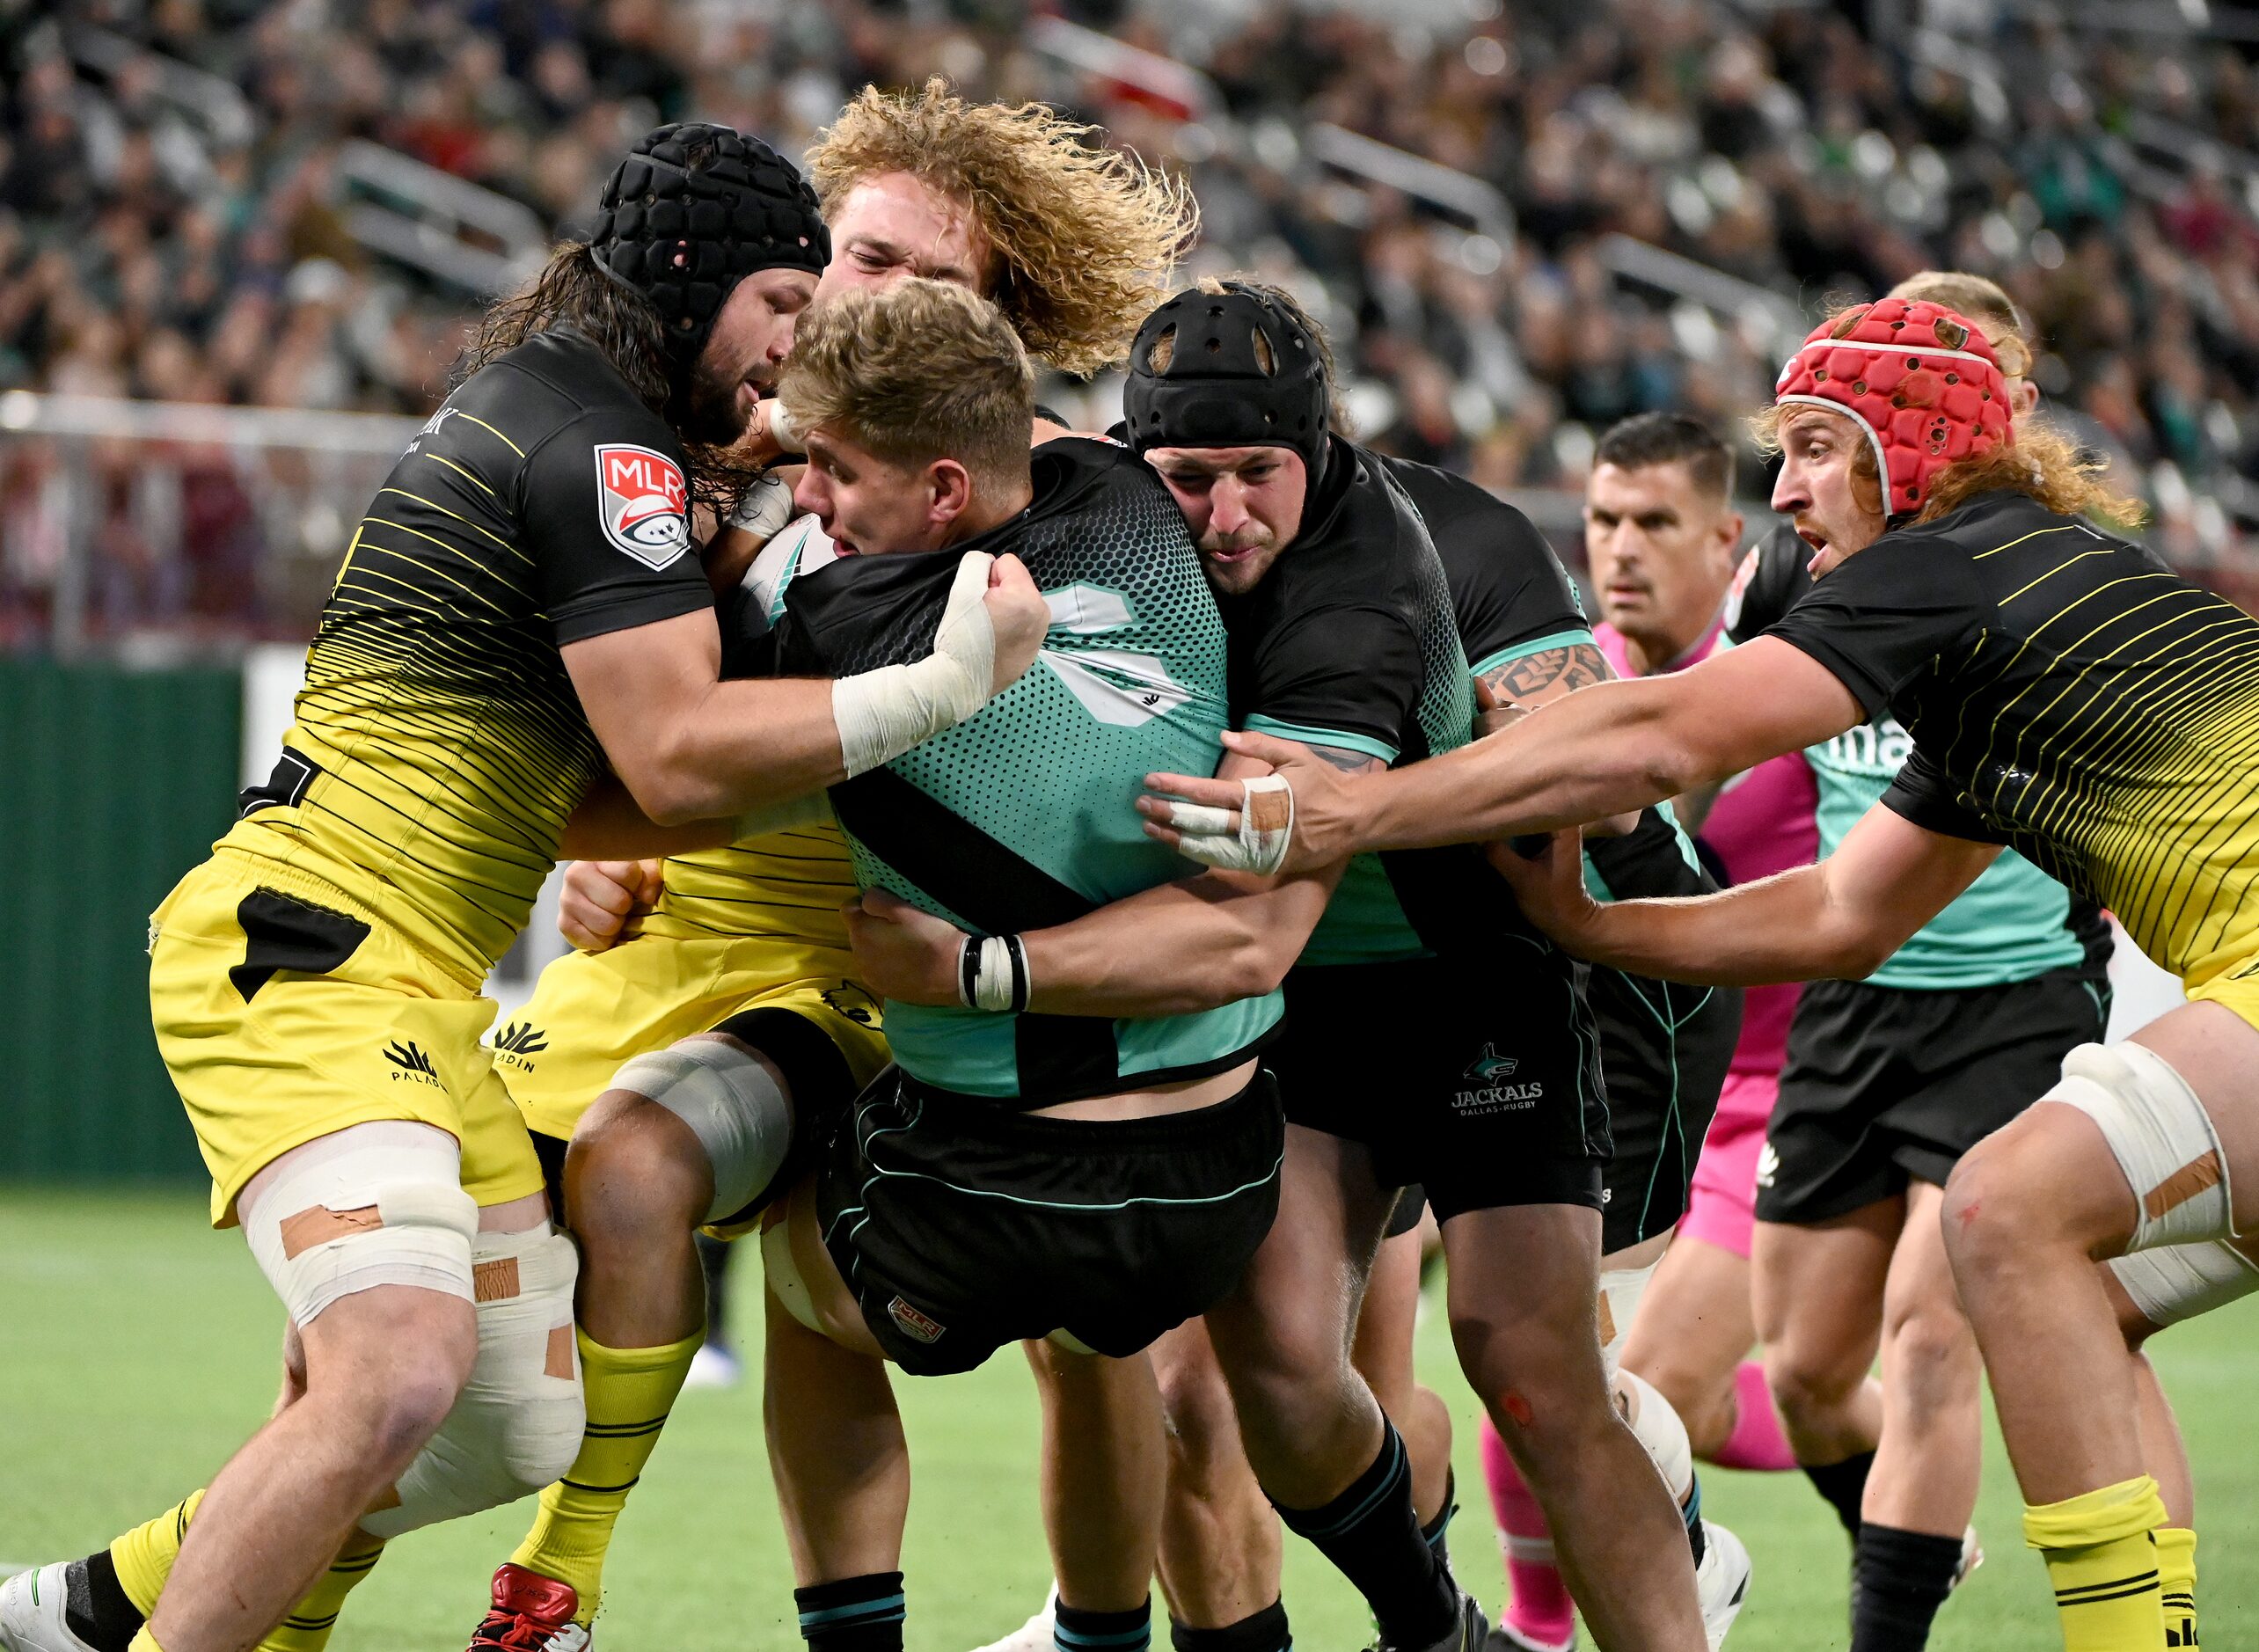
(1349,642)
(1020,818)
(2015,922)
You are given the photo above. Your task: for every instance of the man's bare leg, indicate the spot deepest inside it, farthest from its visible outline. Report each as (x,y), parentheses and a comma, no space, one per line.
(1220,1554)
(1382,1354)
(1104,1465)
(1523,1290)
(1818,1301)
(1694,1328)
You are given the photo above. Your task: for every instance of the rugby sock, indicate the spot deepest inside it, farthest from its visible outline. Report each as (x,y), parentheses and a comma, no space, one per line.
(629,1392)
(1539,1610)
(1264,1631)
(855,1614)
(1757,1440)
(142,1558)
(2176,1576)
(1075,1630)
(1434,1530)
(2101,1555)
(1371,1535)
(1903,1578)
(96,1607)
(144,1641)
(307,1628)
(1844,1485)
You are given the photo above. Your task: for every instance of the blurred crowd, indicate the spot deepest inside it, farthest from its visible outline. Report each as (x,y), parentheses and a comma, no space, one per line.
(177,221)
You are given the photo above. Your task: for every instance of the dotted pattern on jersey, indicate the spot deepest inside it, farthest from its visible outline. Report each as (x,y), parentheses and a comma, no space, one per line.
(1446,708)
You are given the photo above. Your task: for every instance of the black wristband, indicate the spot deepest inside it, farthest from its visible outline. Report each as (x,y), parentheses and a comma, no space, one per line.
(1017,950)
(968,971)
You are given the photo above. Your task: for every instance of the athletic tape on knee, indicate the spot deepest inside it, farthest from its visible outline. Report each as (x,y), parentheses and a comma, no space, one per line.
(2162,1137)
(2173,1283)
(375,1204)
(1655,1422)
(733,1104)
(1621,1290)
(783,1274)
(518,1423)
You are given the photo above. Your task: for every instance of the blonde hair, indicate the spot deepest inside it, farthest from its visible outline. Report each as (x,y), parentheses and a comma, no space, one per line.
(2040,463)
(1084,236)
(918,371)
(1985,303)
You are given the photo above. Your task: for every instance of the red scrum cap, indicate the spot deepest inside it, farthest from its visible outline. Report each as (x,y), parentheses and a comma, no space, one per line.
(1921,381)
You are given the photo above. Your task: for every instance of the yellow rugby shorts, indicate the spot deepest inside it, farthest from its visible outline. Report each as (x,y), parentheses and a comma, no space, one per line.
(286,1010)
(2234,986)
(592,1011)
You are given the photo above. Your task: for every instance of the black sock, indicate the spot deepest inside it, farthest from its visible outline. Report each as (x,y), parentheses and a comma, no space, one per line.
(1264,1631)
(855,1614)
(1436,1529)
(1844,1485)
(95,1605)
(1371,1535)
(1903,1577)
(1075,1630)
(1697,1540)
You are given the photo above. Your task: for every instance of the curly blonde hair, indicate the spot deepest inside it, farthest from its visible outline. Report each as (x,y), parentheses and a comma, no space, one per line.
(1084,236)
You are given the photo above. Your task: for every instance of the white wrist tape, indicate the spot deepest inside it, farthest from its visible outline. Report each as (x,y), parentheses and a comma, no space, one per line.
(788,434)
(880,714)
(1257,842)
(765,507)
(992,974)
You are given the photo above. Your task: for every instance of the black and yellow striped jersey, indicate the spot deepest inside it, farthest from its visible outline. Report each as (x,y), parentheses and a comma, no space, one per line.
(438,745)
(2068,695)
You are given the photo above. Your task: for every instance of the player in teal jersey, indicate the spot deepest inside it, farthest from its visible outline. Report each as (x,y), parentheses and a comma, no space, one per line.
(1020,1175)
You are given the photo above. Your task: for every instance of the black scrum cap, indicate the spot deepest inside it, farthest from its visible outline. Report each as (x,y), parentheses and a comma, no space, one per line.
(1241,373)
(694,209)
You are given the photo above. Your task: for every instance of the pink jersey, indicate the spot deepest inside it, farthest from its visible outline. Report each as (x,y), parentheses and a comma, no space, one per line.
(1761,823)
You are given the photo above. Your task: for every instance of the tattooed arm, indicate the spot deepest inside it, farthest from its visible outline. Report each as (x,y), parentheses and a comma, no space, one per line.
(1520,686)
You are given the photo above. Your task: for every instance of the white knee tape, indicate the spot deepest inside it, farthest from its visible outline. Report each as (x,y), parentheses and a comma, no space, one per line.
(518,1423)
(2162,1138)
(1655,1422)
(784,1273)
(2179,1282)
(1621,1291)
(733,1104)
(375,1204)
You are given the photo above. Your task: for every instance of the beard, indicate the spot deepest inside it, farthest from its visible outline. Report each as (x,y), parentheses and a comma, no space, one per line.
(705,412)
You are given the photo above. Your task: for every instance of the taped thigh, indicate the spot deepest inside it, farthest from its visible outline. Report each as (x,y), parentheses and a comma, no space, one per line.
(2162,1137)
(1621,1291)
(733,1104)
(518,1423)
(2173,1283)
(785,1281)
(372,1204)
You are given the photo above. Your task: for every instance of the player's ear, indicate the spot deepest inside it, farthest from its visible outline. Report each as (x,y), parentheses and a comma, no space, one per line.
(949,490)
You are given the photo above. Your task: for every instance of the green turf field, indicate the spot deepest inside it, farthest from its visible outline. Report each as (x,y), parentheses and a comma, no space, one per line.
(140,1352)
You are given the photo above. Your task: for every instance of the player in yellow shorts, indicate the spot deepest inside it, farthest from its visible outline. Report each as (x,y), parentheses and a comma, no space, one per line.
(521,610)
(2068,695)
(734,999)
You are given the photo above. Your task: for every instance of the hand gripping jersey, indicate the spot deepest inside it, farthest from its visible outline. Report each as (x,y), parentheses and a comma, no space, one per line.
(2015,922)
(1020,818)
(2067,695)
(438,746)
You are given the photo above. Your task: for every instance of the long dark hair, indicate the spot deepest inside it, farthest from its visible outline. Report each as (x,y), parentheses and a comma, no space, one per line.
(573,290)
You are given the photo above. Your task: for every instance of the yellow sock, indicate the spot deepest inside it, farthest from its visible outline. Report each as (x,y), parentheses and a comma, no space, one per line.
(143,1641)
(2176,1576)
(630,1391)
(2102,1557)
(307,1628)
(145,1555)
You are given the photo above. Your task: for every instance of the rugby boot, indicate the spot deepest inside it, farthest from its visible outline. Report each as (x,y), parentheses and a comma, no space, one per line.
(1035,1634)
(1471,1633)
(531,1613)
(33,1606)
(1721,1582)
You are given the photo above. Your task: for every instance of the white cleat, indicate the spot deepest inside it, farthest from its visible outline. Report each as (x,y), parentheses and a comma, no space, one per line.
(1973,1556)
(1035,1635)
(1722,1582)
(30,1612)
(713,1366)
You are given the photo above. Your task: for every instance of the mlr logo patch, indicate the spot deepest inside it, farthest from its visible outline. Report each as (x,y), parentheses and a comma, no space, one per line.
(642,503)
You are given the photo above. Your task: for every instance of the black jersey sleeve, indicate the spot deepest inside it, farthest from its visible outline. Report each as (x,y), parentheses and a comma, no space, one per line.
(1510,596)
(606,509)
(1339,676)
(1885,613)
(1771,580)
(1924,794)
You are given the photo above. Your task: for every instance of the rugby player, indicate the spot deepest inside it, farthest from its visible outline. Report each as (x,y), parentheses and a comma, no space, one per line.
(2064,693)
(653,1058)
(521,608)
(1342,626)
(1092,1180)
(1660,536)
